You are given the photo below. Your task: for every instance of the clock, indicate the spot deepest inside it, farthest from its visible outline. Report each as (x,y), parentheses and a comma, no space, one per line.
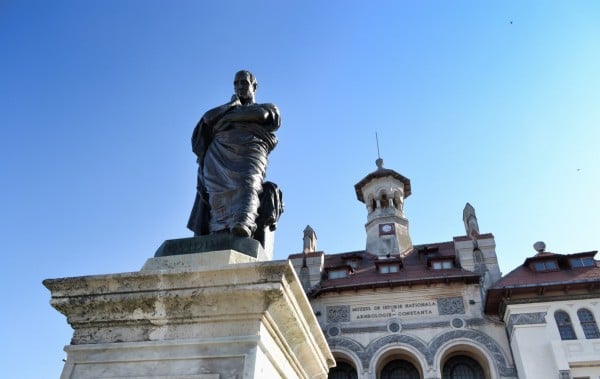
(386,229)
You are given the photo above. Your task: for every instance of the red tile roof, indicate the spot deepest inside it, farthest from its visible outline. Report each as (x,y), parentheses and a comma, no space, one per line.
(524,275)
(414,270)
(526,281)
(380,173)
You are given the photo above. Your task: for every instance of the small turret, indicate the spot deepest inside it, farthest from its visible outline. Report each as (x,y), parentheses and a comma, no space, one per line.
(383,191)
(470,220)
(310,240)
(476,251)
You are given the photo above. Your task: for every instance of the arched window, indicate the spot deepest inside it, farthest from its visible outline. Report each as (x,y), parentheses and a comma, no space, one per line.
(342,370)
(462,367)
(588,324)
(565,328)
(400,369)
(385,203)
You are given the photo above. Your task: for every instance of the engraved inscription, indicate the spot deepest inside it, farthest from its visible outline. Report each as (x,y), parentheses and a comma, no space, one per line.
(191,245)
(403,309)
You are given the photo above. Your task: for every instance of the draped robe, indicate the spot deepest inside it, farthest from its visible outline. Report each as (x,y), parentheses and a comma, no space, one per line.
(232,162)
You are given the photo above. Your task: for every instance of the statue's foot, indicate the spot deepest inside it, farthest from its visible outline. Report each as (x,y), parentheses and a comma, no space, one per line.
(240,230)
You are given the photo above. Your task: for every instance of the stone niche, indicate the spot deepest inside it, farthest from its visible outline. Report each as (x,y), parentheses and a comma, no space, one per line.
(181,317)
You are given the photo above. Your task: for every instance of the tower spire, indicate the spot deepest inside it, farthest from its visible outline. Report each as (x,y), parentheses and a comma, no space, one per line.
(379,161)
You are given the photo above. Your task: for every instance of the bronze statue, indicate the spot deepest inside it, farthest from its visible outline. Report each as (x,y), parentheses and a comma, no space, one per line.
(232,143)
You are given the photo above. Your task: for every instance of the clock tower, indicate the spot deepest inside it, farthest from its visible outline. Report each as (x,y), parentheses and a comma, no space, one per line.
(383,191)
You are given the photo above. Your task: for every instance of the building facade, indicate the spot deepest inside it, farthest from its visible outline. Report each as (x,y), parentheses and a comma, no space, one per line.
(398,310)
(550,305)
(442,310)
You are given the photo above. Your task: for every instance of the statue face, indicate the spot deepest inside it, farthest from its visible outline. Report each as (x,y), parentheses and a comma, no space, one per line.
(244,89)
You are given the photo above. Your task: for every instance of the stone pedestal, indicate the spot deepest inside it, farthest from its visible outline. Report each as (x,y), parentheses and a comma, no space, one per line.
(224,315)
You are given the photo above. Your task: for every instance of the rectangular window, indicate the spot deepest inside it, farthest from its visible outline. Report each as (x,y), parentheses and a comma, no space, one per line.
(336,274)
(545,266)
(386,269)
(539,266)
(441,265)
(582,262)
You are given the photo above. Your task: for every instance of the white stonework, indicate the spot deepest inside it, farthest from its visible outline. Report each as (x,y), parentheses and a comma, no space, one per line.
(189,261)
(534,338)
(314,264)
(180,320)
(479,255)
(418,329)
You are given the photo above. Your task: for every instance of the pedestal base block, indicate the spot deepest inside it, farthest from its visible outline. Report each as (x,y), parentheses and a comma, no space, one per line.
(183,319)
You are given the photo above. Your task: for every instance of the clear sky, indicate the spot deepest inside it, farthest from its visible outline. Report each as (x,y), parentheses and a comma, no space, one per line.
(492,103)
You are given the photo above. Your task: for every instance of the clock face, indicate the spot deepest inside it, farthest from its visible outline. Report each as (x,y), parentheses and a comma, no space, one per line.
(386,229)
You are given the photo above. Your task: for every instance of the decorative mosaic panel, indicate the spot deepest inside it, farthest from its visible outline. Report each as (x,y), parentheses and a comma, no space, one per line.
(451,306)
(525,319)
(338,313)
(394,327)
(334,331)
(458,323)
(426,325)
(364,329)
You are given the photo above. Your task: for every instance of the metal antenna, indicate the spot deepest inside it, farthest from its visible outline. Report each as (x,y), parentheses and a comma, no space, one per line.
(379,161)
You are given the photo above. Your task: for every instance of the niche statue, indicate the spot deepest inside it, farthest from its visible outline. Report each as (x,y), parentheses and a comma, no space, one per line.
(232,143)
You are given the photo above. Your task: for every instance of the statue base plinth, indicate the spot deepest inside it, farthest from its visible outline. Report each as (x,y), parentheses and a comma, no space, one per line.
(209,259)
(183,319)
(210,243)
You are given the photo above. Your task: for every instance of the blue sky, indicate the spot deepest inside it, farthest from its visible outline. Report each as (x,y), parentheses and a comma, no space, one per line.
(492,103)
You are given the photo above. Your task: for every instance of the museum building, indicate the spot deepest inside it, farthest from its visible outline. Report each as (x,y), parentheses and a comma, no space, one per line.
(550,306)
(443,310)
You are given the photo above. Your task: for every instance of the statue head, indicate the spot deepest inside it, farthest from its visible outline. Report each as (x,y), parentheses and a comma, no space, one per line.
(245,85)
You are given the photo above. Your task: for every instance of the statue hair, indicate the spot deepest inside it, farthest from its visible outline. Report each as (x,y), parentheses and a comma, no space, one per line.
(253,80)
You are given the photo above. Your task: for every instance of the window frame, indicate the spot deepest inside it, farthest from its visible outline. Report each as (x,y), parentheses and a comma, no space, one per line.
(583,262)
(589,326)
(545,265)
(342,272)
(442,264)
(565,326)
(465,365)
(343,369)
(391,268)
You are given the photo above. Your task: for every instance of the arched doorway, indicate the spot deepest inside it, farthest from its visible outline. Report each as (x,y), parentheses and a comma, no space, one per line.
(462,367)
(342,370)
(400,369)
